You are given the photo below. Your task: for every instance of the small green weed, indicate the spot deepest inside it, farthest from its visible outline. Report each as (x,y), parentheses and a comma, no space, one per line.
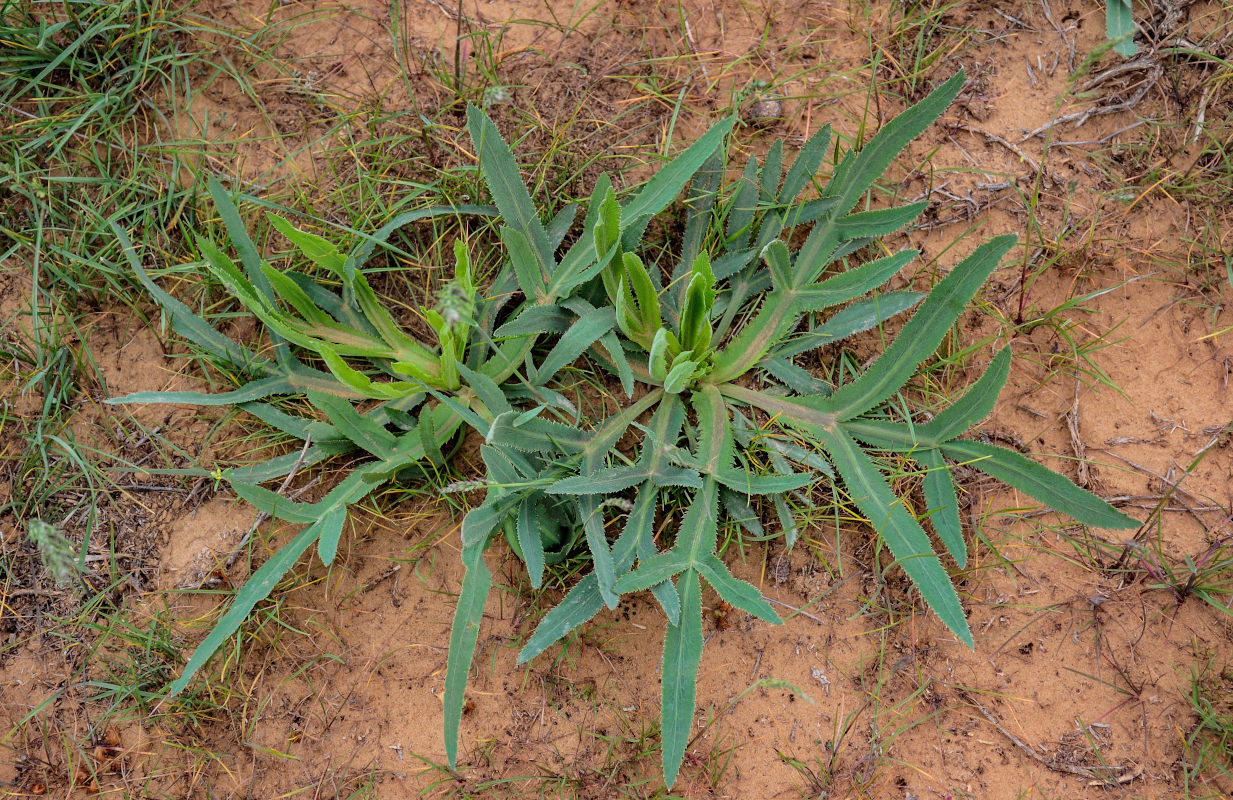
(674,337)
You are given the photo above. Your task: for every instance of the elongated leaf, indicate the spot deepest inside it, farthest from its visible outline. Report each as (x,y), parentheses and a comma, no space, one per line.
(358,257)
(881,222)
(580,604)
(604,481)
(592,516)
(736,592)
(536,435)
(701,201)
(975,405)
(653,570)
(943,505)
(584,333)
(746,483)
(536,319)
(362,430)
(856,318)
(1041,483)
(858,170)
(185,322)
(253,390)
(463,636)
(668,182)
(851,284)
(525,264)
(1120,26)
(255,589)
(331,529)
(505,182)
(922,334)
(806,165)
(528,539)
(899,529)
(682,655)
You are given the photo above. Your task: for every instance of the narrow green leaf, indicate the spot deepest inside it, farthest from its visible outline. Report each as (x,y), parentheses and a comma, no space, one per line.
(882,222)
(746,483)
(653,570)
(526,266)
(659,191)
(736,592)
(464,634)
(528,538)
(604,481)
(682,655)
(362,430)
(536,435)
(806,165)
(851,284)
(922,334)
(578,606)
(1041,483)
(320,251)
(255,589)
(253,390)
(975,405)
(536,319)
(1120,26)
(942,504)
(856,318)
(899,529)
(584,333)
(505,183)
(331,530)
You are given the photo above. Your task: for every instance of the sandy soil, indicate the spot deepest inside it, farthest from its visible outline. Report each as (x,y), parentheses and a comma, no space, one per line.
(1077,666)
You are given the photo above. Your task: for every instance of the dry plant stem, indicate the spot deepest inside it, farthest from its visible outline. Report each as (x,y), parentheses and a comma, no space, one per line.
(1056,766)
(1076,440)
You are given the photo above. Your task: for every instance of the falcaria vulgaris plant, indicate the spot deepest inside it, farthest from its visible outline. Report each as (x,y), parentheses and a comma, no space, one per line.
(703,346)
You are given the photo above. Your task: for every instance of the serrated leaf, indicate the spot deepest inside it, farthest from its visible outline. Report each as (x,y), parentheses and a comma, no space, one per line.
(659,191)
(851,284)
(536,436)
(858,317)
(736,592)
(536,319)
(899,529)
(943,506)
(528,539)
(806,165)
(604,481)
(331,530)
(581,335)
(464,633)
(882,222)
(1041,483)
(975,405)
(255,589)
(525,264)
(579,605)
(505,183)
(922,334)
(682,655)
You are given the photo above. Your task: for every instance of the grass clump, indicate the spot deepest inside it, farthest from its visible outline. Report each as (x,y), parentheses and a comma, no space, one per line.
(675,337)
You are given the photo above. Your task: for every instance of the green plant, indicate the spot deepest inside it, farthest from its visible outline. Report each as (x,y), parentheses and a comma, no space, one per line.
(674,336)
(1120,26)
